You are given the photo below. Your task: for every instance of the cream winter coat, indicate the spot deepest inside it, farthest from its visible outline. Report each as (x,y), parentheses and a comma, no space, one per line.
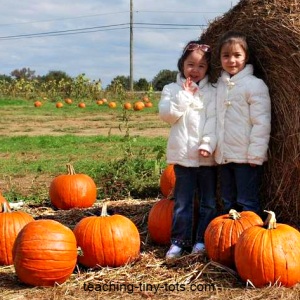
(193,122)
(243,118)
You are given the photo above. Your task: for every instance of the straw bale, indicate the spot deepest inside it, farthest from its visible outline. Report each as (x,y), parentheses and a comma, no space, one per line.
(273,31)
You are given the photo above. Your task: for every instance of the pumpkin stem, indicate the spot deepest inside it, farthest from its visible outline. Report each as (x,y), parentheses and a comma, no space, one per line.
(104,209)
(79,251)
(270,222)
(233,214)
(71,170)
(5,208)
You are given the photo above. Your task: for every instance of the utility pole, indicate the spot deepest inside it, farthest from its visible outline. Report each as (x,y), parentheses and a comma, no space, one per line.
(131,47)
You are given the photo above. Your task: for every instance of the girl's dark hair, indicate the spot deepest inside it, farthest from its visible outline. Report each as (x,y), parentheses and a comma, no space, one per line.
(233,37)
(186,52)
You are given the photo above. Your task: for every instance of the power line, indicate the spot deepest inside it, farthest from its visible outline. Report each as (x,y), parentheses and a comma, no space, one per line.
(62,19)
(121,26)
(170,24)
(110,13)
(178,12)
(61,32)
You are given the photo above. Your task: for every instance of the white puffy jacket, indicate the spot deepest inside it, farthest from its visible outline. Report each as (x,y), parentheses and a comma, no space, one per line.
(243,118)
(193,122)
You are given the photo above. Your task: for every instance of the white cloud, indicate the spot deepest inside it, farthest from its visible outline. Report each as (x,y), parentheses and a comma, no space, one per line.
(102,54)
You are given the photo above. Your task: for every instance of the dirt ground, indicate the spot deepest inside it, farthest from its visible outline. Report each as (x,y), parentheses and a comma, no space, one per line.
(142,125)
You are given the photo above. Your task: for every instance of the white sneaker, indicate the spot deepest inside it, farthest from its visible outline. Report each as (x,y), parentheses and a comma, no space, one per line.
(174,252)
(198,248)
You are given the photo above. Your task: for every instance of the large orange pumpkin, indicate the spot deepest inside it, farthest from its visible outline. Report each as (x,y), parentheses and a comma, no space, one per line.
(161,217)
(72,190)
(44,253)
(107,240)
(167,181)
(223,232)
(160,221)
(11,224)
(269,255)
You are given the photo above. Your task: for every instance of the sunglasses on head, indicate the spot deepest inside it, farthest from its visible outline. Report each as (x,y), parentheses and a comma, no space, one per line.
(195,46)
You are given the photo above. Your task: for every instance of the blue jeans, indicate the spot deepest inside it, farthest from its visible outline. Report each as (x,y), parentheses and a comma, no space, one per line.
(240,184)
(207,182)
(189,182)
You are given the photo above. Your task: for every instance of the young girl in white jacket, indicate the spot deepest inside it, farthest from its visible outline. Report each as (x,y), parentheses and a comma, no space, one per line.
(188,105)
(243,125)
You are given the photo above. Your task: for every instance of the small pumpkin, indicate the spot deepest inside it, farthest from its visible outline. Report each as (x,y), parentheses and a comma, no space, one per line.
(112,104)
(160,221)
(270,254)
(44,253)
(167,181)
(146,98)
(59,105)
(81,105)
(37,103)
(148,104)
(139,105)
(72,190)
(11,223)
(127,105)
(68,100)
(107,240)
(222,233)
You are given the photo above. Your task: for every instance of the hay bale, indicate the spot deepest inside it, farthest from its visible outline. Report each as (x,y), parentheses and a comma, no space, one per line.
(273,29)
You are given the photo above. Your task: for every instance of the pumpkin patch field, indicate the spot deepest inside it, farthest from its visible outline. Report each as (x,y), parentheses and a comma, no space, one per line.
(86,183)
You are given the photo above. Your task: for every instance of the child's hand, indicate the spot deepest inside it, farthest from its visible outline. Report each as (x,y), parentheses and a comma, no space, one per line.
(204,153)
(188,86)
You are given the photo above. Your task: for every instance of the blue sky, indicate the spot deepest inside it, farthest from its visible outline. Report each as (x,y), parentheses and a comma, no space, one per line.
(92,36)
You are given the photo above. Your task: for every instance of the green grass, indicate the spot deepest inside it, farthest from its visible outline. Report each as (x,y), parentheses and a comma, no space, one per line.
(120,166)
(50,153)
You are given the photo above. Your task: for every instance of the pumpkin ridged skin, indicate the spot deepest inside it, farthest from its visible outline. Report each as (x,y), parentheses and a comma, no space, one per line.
(269,256)
(11,224)
(72,190)
(45,253)
(106,240)
(167,181)
(160,221)
(222,234)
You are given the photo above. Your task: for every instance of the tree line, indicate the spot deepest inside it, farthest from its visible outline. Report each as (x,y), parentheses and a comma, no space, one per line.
(57,77)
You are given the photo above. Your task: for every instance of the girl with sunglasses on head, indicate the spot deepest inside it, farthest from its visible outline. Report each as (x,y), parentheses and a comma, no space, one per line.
(243,126)
(188,105)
